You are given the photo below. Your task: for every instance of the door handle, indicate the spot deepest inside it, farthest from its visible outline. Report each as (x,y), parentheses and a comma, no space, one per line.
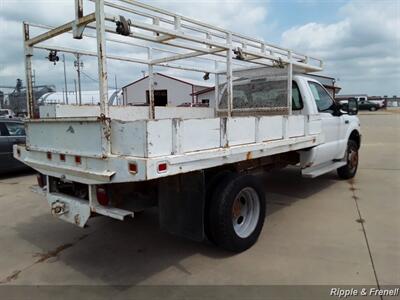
(346,122)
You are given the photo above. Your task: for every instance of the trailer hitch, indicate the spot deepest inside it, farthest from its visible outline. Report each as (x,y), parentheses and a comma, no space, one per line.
(58,208)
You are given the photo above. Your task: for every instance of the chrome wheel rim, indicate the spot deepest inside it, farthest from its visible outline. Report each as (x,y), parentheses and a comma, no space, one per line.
(245,212)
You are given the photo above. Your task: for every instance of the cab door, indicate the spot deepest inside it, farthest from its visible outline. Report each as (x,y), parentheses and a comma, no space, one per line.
(332,124)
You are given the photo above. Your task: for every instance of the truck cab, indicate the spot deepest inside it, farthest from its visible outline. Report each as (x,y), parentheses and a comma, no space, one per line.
(337,126)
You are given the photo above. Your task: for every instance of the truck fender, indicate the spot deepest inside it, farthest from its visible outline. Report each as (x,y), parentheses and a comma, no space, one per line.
(353,133)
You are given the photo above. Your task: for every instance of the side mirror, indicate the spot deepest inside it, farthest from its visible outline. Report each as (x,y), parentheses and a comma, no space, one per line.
(352,106)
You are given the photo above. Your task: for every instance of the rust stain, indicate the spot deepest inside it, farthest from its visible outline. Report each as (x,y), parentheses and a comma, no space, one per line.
(41,258)
(249,155)
(52,253)
(352,188)
(11,277)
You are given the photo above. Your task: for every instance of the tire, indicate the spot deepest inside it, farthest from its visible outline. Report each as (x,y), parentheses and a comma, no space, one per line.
(237,212)
(350,169)
(211,185)
(373,108)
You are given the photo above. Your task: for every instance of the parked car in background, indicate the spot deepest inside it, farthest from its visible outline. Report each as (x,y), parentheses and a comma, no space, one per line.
(6,113)
(12,131)
(368,105)
(380,102)
(364,101)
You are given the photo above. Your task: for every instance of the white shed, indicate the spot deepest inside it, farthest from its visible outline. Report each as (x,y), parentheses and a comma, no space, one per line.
(205,97)
(168,90)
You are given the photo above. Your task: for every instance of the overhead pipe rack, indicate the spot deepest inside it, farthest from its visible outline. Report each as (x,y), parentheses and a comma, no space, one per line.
(188,39)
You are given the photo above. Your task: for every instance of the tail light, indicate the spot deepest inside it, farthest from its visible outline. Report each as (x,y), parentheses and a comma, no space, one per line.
(132,168)
(48,154)
(62,157)
(78,160)
(102,196)
(162,167)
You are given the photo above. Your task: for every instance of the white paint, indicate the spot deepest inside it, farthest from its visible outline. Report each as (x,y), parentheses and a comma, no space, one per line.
(295,126)
(124,113)
(241,130)
(200,134)
(270,128)
(184,112)
(128,138)
(159,137)
(72,137)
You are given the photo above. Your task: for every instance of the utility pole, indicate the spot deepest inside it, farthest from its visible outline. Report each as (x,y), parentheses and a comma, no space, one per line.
(78,65)
(76,93)
(65,81)
(116,87)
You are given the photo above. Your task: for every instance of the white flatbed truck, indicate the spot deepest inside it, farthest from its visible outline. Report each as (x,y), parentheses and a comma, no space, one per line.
(196,164)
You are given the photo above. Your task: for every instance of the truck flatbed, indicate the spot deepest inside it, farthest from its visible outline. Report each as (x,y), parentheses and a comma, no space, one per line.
(180,145)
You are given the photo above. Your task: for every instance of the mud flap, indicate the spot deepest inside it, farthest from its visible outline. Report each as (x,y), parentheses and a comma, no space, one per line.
(181,201)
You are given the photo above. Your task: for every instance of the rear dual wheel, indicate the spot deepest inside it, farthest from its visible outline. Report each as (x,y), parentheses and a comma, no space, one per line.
(236,212)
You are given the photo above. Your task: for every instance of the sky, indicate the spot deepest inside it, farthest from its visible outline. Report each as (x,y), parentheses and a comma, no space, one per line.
(359,41)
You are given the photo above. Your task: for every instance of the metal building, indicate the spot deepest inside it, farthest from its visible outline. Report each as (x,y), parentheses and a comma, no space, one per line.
(168,90)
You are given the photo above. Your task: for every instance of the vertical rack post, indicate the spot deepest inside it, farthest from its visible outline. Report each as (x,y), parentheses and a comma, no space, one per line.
(28,51)
(101,57)
(151,85)
(289,84)
(229,75)
(78,31)
(78,9)
(216,89)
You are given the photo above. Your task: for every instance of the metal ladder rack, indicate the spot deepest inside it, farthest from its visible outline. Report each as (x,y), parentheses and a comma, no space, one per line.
(178,37)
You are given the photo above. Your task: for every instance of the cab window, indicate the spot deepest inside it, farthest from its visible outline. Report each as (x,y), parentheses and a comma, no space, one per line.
(15,129)
(297,102)
(322,98)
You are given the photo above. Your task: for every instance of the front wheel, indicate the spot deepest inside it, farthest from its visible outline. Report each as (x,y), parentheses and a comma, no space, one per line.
(237,212)
(373,108)
(350,169)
